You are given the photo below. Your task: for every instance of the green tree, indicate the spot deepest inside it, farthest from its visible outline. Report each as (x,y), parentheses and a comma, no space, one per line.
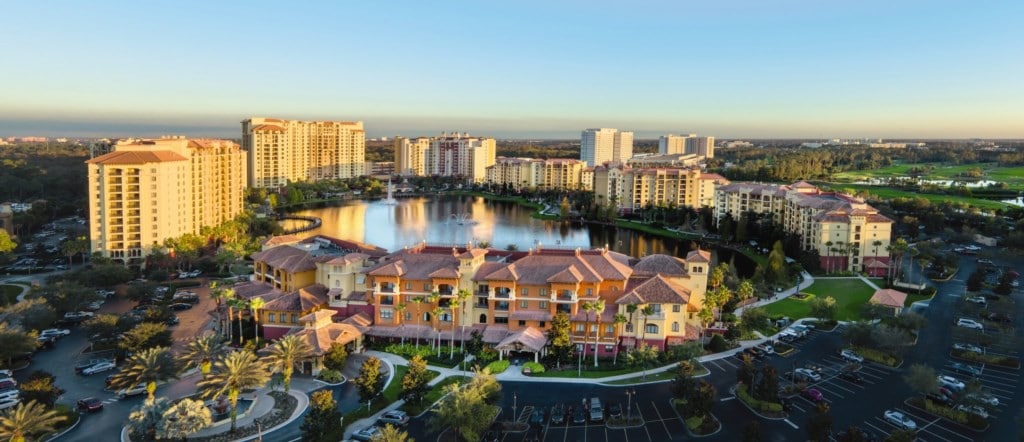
(598,308)
(922,379)
(7,245)
(185,417)
(28,420)
(853,434)
(745,290)
(767,388)
(14,342)
(468,410)
(39,387)
(754,318)
(857,333)
(776,264)
(819,426)
(824,308)
(323,422)
(684,383)
(390,433)
(642,357)
(144,418)
(370,379)
(73,247)
(287,353)
(202,352)
(31,314)
(145,335)
(746,371)
(563,208)
(103,325)
(239,370)
(559,339)
(702,398)
(255,304)
(335,357)
(414,383)
(147,367)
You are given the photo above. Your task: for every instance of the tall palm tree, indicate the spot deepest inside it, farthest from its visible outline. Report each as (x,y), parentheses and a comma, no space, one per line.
(647,312)
(28,419)
(587,307)
(148,367)
(452,307)
(218,296)
(287,353)
(598,307)
(876,245)
(255,304)
(399,310)
(240,305)
(438,311)
(619,320)
(828,266)
(631,308)
(840,248)
(417,301)
(463,295)
(228,296)
(202,352)
(239,370)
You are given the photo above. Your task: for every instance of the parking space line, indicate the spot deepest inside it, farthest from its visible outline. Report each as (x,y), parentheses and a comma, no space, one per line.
(836,383)
(885,432)
(715,364)
(791,424)
(726,362)
(661,418)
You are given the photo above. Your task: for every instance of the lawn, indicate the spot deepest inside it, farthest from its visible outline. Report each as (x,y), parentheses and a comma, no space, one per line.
(1012,176)
(390,394)
(9,294)
(850,294)
(589,372)
(661,376)
(887,193)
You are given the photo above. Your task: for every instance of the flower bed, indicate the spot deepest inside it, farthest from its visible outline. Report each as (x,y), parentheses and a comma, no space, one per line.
(1002,361)
(765,408)
(697,425)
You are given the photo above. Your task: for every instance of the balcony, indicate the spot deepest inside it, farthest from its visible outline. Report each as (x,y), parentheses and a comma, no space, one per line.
(501,306)
(565,296)
(386,288)
(501,294)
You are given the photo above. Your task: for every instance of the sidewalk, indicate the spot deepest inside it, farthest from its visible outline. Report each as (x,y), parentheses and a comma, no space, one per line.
(807,281)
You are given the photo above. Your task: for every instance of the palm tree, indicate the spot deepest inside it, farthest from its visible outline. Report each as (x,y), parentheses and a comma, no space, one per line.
(28,419)
(632,308)
(228,296)
(148,367)
(255,304)
(828,267)
(399,310)
(647,311)
(463,295)
(587,307)
(218,296)
(417,301)
(619,320)
(598,307)
(240,305)
(438,311)
(452,307)
(239,370)
(202,352)
(840,248)
(286,353)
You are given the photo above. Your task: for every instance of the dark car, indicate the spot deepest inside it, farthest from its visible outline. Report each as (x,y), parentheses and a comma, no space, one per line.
(787,404)
(537,418)
(757,352)
(90,405)
(579,415)
(615,411)
(558,414)
(173,320)
(851,376)
(940,399)
(853,432)
(179,306)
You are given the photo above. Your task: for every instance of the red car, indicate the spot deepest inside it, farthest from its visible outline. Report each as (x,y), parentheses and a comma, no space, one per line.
(813,395)
(90,404)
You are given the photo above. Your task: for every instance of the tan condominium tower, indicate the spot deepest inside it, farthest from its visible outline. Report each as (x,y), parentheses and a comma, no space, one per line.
(283,151)
(147,191)
(703,147)
(458,154)
(411,156)
(599,146)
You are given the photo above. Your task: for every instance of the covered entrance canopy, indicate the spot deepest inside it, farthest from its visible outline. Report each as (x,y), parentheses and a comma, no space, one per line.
(528,339)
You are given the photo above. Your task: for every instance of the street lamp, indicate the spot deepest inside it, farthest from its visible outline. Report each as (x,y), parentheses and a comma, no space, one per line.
(515,397)
(629,406)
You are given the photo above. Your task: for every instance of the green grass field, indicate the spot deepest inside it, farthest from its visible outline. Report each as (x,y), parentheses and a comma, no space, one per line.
(887,193)
(1012,176)
(850,294)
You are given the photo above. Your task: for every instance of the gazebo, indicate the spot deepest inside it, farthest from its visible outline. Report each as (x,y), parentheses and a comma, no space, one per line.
(527,339)
(890,298)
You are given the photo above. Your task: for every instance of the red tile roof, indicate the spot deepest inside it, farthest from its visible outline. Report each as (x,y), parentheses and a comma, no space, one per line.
(889,298)
(137,157)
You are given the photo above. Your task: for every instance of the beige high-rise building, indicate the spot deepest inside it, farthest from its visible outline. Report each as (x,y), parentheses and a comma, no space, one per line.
(147,191)
(599,146)
(525,173)
(635,188)
(410,156)
(283,151)
(691,144)
(460,155)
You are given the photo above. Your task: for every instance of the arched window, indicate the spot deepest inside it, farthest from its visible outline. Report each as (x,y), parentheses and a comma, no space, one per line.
(483,318)
(426,316)
(675,327)
(652,328)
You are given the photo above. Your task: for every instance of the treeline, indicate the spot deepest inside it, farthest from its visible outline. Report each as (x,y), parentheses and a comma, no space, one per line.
(44,171)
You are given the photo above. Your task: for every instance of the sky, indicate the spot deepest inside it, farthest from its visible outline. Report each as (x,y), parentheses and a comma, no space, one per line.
(523,69)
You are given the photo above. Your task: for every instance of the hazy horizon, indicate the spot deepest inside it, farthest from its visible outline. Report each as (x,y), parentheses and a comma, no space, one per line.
(732,69)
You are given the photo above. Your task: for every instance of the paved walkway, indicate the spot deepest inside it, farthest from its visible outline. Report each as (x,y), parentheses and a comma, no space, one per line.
(807,281)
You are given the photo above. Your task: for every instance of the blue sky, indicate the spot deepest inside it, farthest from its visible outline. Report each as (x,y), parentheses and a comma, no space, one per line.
(781,68)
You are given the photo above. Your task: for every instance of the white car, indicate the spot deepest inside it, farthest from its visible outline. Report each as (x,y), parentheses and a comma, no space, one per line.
(366,433)
(969,323)
(132,391)
(9,402)
(851,356)
(809,374)
(950,382)
(973,409)
(11,380)
(900,420)
(13,393)
(58,332)
(99,368)
(5,373)
(986,399)
(968,347)
(980,300)
(767,348)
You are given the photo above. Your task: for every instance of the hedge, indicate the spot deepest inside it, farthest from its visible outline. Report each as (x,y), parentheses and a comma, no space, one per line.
(693,423)
(533,367)
(741,392)
(409,350)
(498,366)
(1002,361)
(878,356)
(331,376)
(961,417)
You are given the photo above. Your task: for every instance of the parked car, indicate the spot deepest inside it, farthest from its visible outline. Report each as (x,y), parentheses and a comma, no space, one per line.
(558,413)
(6,403)
(537,417)
(99,368)
(851,377)
(596,410)
(940,399)
(58,332)
(808,373)
(950,382)
(767,348)
(851,356)
(968,347)
(134,390)
(86,364)
(969,323)
(180,306)
(960,367)
(978,300)
(615,411)
(812,394)
(89,405)
(973,409)
(900,420)
(366,433)
(46,341)
(579,416)
(397,418)
(758,353)
(997,317)
(986,399)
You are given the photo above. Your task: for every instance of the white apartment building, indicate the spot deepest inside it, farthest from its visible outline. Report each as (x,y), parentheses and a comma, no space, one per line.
(703,147)
(460,155)
(283,151)
(598,146)
(410,156)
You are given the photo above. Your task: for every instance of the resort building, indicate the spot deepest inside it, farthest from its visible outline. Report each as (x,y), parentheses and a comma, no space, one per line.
(411,156)
(147,191)
(688,144)
(458,154)
(532,173)
(599,146)
(847,233)
(283,151)
(635,188)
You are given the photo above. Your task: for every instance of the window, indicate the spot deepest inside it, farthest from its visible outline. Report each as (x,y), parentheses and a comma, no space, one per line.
(408,286)
(543,291)
(656,308)
(408,316)
(544,304)
(426,317)
(426,286)
(615,288)
(608,348)
(609,329)
(579,327)
(629,327)
(524,291)
(593,328)
(524,304)
(675,308)
(501,320)
(522,323)
(590,292)
(295,318)
(652,328)
(271,317)
(446,317)
(543,324)
(675,326)
(386,313)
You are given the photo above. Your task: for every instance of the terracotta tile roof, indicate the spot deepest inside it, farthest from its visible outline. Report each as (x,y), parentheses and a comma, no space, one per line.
(399,331)
(348,245)
(268,128)
(289,259)
(713,176)
(322,337)
(529,337)
(359,320)
(486,269)
(698,256)
(344,260)
(889,298)
(255,289)
(494,334)
(659,264)
(301,300)
(875,264)
(445,272)
(802,185)
(656,290)
(414,266)
(472,253)
(878,218)
(569,275)
(137,157)
(538,269)
(530,315)
(281,239)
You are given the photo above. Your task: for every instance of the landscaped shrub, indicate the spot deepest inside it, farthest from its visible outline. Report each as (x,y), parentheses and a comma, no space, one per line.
(409,350)
(487,355)
(878,356)
(773,407)
(533,368)
(718,344)
(963,418)
(1002,361)
(694,422)
(331,376)
(498,366)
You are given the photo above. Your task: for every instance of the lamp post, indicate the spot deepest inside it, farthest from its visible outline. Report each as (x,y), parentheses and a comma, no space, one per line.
(515,397)
(629,404)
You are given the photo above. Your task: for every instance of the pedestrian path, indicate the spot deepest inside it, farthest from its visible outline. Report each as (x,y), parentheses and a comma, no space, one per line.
(807,280)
